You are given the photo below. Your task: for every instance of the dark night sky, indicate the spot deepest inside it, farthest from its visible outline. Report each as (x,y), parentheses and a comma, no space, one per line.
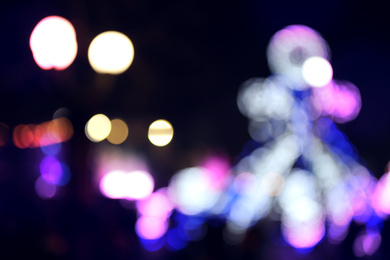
(190,59)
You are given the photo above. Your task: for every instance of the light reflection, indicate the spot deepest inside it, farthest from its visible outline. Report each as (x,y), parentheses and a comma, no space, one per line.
(53,43)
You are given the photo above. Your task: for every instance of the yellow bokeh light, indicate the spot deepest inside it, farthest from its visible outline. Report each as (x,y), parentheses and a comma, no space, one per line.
(53,43)
(160,132)
(119,131)
(98,128)
(111,52)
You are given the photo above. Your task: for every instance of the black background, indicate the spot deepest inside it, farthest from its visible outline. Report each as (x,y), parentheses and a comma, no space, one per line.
(190,58)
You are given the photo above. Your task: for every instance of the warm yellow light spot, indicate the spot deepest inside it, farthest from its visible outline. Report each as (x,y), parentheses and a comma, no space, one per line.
(111,52)
(53,43)
(160,132)
(119,131)
(98,128)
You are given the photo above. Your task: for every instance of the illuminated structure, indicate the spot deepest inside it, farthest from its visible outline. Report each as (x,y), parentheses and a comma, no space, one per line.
(304,170)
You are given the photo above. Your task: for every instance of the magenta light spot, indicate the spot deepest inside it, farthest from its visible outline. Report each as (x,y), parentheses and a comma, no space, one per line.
(371,243)
(44,189)
(367,244)
(157,205)
(51,170)
(340,100)
(217,170)
(151,227)
(381,195)
(303,236)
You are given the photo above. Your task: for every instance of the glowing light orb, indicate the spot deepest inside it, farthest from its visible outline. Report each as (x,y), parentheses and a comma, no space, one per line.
(157,205)
(111,52)
(317,71)
(127,185)
(304,235)
(160,132)
(53,43)
(45,190)
(191,191)
(98,128)
(290,47)
(340,100)
(119,131)
(151,227)
(51,170)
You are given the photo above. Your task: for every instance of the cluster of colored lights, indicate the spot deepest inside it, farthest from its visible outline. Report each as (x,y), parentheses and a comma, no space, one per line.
(52,132)
(100,127)
(306,170)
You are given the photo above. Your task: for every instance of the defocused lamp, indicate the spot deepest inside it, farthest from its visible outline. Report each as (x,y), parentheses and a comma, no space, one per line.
(111,52)
(119,131)
(98,128)
(53,43)
(160,132)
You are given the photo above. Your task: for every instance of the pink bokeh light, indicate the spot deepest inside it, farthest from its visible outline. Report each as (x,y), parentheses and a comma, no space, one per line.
(381,196)
(304,235)
(367,243)
(150,227)
(216,170)
(156,205)
(340,100)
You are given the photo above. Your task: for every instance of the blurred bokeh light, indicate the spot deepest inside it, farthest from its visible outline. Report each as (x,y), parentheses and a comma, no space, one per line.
(119,131)
(53,43)
(160,132)
(317,71)
(133,185)
(111,52)
(98,128)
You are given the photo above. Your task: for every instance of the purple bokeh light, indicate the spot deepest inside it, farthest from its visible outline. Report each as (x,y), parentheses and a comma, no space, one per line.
(51,170)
